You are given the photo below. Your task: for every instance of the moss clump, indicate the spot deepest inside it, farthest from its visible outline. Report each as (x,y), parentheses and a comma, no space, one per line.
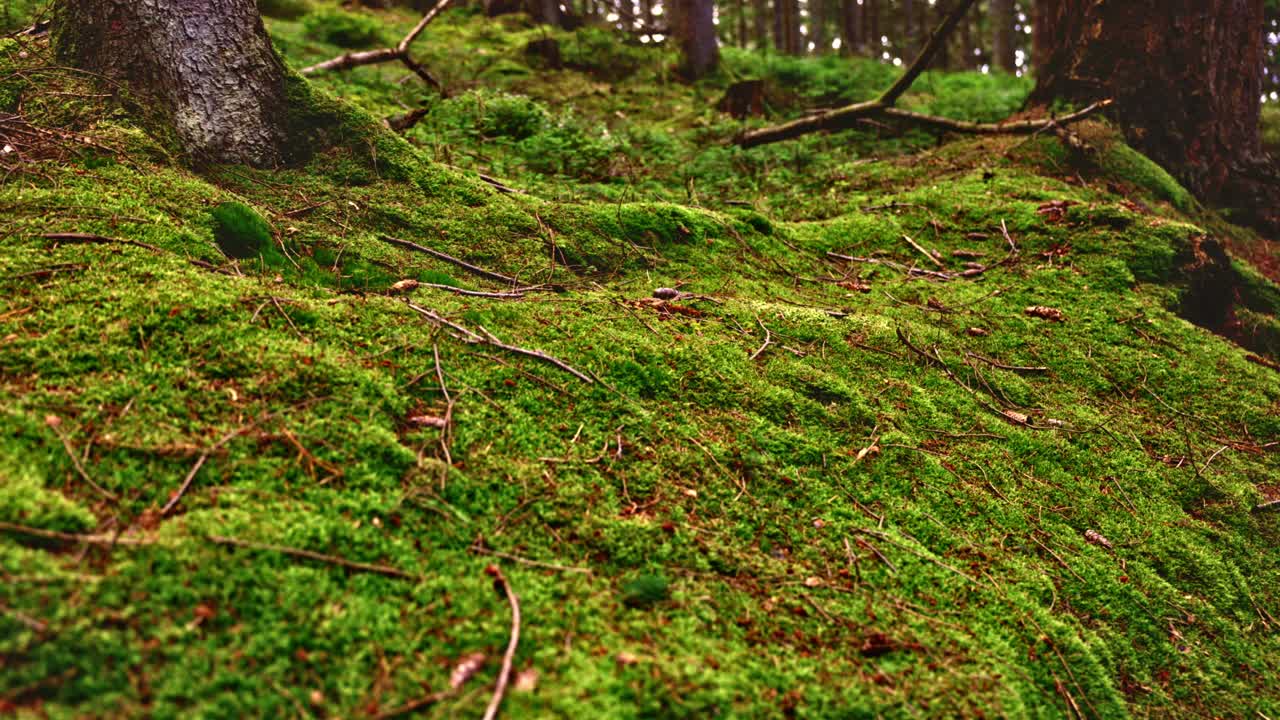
(240,231)
(25,500)
(1120,160)
(284,9)
(341,28)
(645,591)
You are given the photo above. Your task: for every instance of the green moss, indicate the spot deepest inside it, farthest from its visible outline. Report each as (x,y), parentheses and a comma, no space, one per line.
(24,500)
(814,518)
(240,231)
(284,9)
(342,28)
(645,591)
(1122,161)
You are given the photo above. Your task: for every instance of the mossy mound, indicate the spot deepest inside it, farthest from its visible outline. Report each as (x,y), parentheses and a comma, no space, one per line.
(727,469)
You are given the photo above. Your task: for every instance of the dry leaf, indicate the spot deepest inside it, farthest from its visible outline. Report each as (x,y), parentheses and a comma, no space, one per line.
(813,582)
(465,668)
(405,285)
(868,451)
(625,658)
(1046,313)
(427,421)
(526,680)
(1097,538)
(977,332)
(1015,416)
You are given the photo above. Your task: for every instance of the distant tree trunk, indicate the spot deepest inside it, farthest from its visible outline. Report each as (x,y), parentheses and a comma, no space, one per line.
(760,19)
(693,25)
(907,46)
(795,40)
(779,25)
(206,66)
(850,27)
(1002,22)
(872,26)
(546,11)
(966,40)
(1185,76)
(742,23)
(817,26)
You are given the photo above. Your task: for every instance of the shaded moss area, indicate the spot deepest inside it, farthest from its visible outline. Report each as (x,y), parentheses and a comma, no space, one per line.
(802,486)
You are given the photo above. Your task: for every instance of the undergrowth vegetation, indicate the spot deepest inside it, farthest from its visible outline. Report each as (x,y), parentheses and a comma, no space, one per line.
(789,463)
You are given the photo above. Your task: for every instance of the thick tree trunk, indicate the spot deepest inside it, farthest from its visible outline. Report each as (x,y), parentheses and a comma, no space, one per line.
(850,27)
(206,66)
(1002,22)
(1186,78)
(693,24)
(907,48)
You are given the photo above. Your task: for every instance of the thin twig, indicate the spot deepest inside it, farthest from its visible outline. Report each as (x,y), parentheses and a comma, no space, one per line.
(451,259)
(1002,366)
(501,584)
(94,539)
(767,340)
(526,561)
(373,568)
(920,249)
(400,52)
(75,461)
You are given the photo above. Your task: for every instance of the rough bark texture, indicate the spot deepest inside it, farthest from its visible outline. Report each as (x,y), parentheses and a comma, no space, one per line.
(1186,78)
(1002,23)
(206,66)
(693,24)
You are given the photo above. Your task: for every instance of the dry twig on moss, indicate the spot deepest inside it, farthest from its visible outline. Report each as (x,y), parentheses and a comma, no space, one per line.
(385,570)
(400,52)
(484,337)
(501,584)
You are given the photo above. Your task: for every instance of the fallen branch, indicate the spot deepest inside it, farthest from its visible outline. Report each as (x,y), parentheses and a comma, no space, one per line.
(1002,366)
(502,586)
(488,338)
(400,52)
(927,255)
(94,539)
(913,271)
(474,269)
(375,569)
(1015,127)
(847,116)
(1269,505)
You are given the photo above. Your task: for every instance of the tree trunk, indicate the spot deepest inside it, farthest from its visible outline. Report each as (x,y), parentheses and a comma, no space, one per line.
(872,26)
(760,21)
(1002,23)
(1186,78)
(850,27)
(207,67)
(907,47)
(817,26)
(693,25)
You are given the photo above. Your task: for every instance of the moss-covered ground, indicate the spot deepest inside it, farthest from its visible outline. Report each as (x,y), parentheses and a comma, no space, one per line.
(805,486)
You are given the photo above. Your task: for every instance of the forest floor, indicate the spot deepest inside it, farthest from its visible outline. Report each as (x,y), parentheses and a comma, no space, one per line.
(739,446)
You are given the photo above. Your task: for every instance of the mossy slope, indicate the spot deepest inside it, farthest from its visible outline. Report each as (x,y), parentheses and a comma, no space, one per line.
(809,488)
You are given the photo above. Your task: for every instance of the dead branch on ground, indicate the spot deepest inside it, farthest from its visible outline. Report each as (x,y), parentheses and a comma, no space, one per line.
(850,115)
(400,52)
(501,585)
(373,568)
(488,338)
(474,269)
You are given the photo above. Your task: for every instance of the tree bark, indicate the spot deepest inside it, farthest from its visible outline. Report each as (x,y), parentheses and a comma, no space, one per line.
(1002,22)
(693,24)
(207,67)
(907,47)
(760,21)
(1186,79)
(818,27)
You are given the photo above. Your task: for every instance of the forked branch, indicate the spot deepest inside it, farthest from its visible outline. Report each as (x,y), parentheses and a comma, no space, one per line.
(400,52)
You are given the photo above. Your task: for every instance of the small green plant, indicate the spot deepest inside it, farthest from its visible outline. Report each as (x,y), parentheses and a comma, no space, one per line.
(240,231)
(645,591)
(341,28)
